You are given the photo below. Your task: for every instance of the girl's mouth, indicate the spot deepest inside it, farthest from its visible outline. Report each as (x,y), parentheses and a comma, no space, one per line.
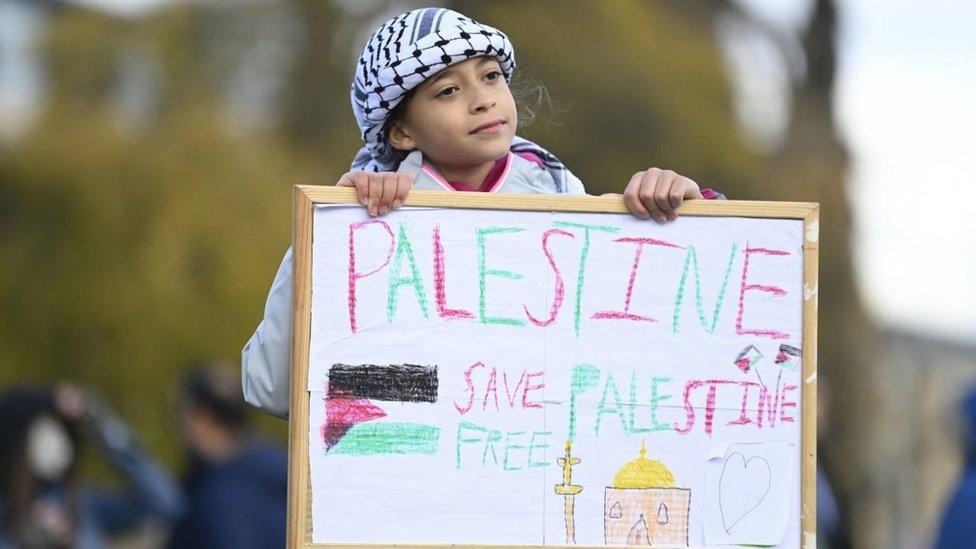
(491,127)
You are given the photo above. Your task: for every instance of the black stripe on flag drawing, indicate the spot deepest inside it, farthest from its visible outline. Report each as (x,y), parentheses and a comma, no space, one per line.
(395,382)
(349,427)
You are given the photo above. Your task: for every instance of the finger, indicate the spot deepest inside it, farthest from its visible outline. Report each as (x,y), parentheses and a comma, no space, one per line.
(632,197)
(662,191)
(362,187)
(681,188)
(692,190)
(359,180)
(677,193)
(648,185)
(404,185)
(375,193)
(345,181)
(387,192)
(348,179)
(674,197)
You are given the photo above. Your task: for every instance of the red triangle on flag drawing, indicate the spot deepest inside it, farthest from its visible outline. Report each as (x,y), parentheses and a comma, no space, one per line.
(342,413)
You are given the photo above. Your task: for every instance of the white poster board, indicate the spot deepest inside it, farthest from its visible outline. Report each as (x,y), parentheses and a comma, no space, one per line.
(550,378)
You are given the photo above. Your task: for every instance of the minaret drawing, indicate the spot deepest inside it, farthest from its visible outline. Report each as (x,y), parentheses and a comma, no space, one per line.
(568,490)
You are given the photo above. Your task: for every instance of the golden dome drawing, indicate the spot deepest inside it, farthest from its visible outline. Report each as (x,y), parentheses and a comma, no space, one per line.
(644,506)
(644,473)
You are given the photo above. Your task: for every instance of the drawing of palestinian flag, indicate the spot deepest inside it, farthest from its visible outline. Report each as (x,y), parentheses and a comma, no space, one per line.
(350,428)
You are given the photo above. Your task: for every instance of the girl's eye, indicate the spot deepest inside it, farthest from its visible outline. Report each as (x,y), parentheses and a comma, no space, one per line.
(447,91)
(493,75)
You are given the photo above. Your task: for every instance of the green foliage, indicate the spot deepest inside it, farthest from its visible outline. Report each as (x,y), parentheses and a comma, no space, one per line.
(641,85)
(128,253)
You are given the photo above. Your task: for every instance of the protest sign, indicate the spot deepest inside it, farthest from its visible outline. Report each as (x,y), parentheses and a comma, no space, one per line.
(544,370)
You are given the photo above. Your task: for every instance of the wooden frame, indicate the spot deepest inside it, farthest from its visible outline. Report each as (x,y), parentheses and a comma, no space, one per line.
(305,199)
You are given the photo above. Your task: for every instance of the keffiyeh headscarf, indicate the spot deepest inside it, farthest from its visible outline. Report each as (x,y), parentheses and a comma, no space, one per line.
(404,52)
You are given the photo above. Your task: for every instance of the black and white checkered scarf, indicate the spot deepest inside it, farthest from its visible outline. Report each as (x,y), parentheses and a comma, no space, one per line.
(404,52)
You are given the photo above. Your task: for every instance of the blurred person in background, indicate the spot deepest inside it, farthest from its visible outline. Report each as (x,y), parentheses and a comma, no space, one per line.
(832,530)
(959,522)
(236,485)
(831,533)
(43,501)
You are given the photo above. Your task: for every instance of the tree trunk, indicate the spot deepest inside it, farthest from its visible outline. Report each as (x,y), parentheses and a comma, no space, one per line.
(813,165)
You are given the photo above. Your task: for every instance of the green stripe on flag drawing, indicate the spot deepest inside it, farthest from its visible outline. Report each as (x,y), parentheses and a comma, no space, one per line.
(386,438)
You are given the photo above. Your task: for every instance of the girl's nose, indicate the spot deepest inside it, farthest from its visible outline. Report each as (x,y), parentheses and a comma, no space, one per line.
(483,103)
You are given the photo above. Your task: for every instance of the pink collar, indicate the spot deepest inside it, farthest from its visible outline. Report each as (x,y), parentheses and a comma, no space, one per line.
(492,181)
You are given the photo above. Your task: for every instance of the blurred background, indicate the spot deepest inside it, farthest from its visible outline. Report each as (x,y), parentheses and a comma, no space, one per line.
(147,149)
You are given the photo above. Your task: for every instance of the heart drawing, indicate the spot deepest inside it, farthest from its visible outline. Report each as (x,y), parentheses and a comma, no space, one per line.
(742,487)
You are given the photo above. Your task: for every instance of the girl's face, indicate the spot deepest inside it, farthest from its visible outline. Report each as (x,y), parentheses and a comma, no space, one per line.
(462,116)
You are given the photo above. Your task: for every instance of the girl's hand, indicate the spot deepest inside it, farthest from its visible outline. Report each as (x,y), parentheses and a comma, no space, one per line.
(380,192)
(656,193)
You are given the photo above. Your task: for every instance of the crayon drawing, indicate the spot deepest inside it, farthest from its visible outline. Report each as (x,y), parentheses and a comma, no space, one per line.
(644,506)
(349,426)
(734,502)
(569,490)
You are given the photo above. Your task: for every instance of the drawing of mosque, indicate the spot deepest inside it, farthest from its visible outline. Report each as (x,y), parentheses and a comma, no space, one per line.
(643,507)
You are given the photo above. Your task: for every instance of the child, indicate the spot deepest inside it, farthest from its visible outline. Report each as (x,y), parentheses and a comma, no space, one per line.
(431,97)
